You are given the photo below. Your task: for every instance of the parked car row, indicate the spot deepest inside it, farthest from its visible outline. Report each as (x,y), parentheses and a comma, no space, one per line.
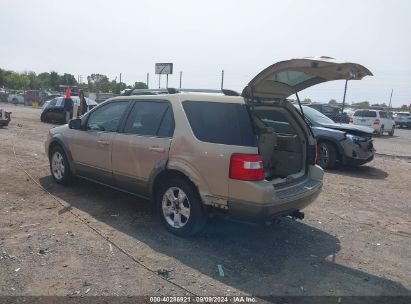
(251,157)
(331,112)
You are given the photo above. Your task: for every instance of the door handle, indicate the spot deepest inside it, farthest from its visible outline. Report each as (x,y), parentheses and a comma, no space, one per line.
(157,149)
(103,142)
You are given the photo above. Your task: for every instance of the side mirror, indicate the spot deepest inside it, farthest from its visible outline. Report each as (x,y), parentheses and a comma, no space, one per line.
(75,124)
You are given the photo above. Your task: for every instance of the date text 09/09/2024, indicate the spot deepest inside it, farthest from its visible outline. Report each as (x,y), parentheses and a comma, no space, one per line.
(203,299)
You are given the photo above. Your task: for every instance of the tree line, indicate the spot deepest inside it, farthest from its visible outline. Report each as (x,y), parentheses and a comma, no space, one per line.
(367,104)
(51,82)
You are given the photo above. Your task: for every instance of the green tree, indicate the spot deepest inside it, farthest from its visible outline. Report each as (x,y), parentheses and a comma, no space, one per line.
(54,81)
(98,83)
(404,107)
(382,105)
(140,85)
(363,104)
(307,100)
(45,80)
(2,78)
(333,102)
(68,79)
(17,81)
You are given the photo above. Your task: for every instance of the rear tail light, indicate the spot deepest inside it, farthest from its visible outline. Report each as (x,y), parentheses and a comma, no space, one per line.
(247,167)
(312,154)
(376,122)
(350,120)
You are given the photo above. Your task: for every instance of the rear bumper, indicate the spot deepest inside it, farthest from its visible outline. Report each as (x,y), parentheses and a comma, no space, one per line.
(4,122)
(288,202)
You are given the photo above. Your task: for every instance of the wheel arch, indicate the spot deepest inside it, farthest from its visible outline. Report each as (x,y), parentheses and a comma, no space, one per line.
(164,175)
(334,143)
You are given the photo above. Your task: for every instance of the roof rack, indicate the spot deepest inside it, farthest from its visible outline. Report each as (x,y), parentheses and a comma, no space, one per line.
(176,91)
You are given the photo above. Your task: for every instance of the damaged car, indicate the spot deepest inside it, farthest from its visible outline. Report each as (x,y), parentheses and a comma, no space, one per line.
(347,144)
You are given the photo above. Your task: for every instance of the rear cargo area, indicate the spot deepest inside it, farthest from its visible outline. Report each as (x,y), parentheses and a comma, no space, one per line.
(281,142)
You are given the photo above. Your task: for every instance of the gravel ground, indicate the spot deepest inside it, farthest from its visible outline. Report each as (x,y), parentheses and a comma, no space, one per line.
(88,240)
(397,145)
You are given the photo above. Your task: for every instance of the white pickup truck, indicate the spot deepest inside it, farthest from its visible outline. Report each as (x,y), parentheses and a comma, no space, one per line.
(16,98)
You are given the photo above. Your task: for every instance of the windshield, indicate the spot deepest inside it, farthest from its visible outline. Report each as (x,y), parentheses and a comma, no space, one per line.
(315,116)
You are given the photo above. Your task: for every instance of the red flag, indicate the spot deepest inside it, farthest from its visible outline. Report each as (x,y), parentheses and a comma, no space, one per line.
(68,93)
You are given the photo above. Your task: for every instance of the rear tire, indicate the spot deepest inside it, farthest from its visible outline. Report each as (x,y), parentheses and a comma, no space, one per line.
(59,166)
(391,133)
(180,207)
(327,155)
(381,132)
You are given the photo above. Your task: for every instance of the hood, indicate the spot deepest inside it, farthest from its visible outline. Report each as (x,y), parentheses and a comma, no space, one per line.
(286,78)
(352,129)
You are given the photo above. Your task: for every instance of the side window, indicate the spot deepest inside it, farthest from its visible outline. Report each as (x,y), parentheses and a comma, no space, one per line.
(107,118)
(328,110)
(221,123)
(383,114)
(53,102)
(276,121)
(150,118)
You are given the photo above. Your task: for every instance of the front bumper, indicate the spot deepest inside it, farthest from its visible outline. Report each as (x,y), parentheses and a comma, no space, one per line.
(288,201)
(351,161)
(357,153)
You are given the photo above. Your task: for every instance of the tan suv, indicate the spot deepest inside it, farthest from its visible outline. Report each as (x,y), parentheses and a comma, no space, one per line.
(250,157)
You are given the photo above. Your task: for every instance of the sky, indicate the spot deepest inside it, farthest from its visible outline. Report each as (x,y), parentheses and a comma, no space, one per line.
(202,38)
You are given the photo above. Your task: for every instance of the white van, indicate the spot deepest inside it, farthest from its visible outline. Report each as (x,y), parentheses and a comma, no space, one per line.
(380,121)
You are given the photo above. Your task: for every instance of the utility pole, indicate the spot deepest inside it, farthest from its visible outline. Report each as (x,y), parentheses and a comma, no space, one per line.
(148,77)
(119,87)
(390,104)
(181,76)
(222,79)
(167,82)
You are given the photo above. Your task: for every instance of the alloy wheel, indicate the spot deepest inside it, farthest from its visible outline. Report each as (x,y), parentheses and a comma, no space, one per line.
(323,155)
(176,207)
(57,165)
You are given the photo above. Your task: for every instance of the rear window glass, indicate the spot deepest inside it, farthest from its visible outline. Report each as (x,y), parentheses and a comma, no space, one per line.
(404,114)
(365,113)
(291,78)
(220,123)
(275,120)
(383,114)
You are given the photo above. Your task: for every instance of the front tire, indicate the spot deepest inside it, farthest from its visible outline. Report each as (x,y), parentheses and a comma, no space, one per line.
(59,166)
(180,207)
(327,155)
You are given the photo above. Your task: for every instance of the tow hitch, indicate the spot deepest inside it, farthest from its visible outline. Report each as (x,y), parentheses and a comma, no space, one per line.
(297,215)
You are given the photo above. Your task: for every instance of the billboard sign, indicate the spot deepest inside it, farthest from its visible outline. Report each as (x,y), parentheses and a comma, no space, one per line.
(164,68)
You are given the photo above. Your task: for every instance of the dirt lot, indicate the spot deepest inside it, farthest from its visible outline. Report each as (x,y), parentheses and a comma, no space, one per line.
(86,239)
